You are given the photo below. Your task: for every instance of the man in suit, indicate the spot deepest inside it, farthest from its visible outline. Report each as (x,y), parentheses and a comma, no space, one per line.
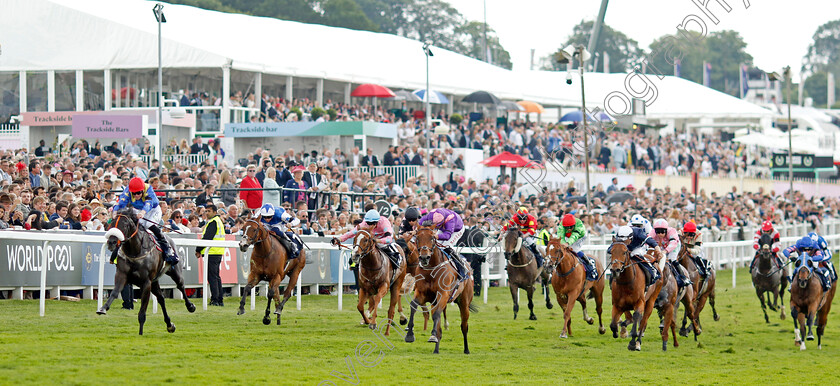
(418,158)
(314,180)
(370,159)
(388,157)
(474,237)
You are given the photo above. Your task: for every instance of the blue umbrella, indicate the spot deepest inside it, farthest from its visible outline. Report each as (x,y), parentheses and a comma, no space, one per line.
(577,116)
(436,97)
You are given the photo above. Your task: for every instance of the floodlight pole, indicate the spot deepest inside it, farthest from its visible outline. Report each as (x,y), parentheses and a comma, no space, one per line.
(790,132)
(580,49)
(159,16)
(427,51)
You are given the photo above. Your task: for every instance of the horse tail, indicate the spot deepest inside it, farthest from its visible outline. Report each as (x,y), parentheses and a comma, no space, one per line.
(473,308)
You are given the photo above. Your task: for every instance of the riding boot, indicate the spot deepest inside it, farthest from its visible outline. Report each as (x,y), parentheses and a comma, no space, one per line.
(459,265)
(168,251)
(681,280)
(752,263)
(293,244)
(537,255)
(587,265)
(701,268)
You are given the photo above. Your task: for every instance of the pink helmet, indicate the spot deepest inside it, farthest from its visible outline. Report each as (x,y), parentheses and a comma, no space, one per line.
(437,218)
(660,223)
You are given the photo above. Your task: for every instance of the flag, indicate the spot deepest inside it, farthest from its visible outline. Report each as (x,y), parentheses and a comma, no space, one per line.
(677,68)
(744,81)
(707,74)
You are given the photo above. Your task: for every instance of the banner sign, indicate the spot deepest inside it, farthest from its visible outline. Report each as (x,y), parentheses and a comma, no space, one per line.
(24,258)
(227,269)
(309,129)
(107,126)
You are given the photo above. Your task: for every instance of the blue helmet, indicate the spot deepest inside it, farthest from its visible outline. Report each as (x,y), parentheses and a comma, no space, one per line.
(819,242)
(372,216)
(805,243)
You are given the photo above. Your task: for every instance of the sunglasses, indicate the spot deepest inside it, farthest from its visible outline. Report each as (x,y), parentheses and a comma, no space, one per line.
(136,193)
(176,217)
(371,223)
(661,231)
(690,234)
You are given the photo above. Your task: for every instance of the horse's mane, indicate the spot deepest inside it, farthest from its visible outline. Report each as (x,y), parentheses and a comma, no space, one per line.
(128,212)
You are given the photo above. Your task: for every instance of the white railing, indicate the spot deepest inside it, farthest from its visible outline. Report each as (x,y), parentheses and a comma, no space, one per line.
(185,159)
(400,173)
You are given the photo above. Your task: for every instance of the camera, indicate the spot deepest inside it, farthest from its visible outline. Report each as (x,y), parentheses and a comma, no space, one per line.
(568,77)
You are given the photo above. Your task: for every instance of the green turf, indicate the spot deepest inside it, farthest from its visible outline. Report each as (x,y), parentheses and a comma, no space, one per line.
(73,345)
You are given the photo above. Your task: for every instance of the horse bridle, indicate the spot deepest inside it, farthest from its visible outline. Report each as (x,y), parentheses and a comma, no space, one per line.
(368,251)
(556,264)
(257,239)
(425,248)
(119,242)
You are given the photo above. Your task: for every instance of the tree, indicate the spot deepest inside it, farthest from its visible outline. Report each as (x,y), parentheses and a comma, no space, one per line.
(724,50)
(389,15)
(433,20)
(623,51)
(471,43)
(816,88)
(346,14)
(824,53)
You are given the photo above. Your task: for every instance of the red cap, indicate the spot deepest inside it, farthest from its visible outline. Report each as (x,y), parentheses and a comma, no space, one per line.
(690,227)
(136,185)
(630,187)
(569,220)
(767,226)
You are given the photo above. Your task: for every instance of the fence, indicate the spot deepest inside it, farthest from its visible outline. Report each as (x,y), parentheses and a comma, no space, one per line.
(400,174)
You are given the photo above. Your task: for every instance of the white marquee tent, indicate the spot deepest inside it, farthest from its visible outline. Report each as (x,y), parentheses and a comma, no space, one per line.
(43,35)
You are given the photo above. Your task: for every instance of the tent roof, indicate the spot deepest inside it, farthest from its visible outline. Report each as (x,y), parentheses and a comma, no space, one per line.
(98,34)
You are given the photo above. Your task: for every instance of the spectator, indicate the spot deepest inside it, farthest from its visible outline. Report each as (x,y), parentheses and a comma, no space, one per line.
(271,196)
(254,198)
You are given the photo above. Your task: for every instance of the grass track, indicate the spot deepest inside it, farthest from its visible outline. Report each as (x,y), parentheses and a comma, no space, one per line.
(73,345)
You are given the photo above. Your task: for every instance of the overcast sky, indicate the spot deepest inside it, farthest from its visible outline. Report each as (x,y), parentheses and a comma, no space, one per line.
(777,32)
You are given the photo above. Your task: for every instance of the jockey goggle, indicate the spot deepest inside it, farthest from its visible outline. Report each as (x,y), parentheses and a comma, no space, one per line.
(266,218)
(138,193)
(690,234)
(660,230)
(371,223)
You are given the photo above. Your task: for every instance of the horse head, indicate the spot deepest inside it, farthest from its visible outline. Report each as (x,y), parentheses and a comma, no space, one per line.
(426,244)
(554,254)
(365,244)
(765,242)
(121,228)
(619,257)
(513,242)
(252,233)
(804,270)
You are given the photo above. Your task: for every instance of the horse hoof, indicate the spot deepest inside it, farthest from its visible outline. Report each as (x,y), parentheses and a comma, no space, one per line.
(514,316)
(819,347)
(436,351)
(433,339)
(532,317)
(372,326)
(101,311)
(266,321)
(563,336)
(810,337)
(409,338)
(698,331)
(638,346)
(403,321)
(631,346)
(191,307)
(278,321)
(240,312)
(602,330)
(684,332)
(717,317)
(549,306)
(171,328)
(466,351)
(590,321)
(623,335)
(664,346)
(802,347)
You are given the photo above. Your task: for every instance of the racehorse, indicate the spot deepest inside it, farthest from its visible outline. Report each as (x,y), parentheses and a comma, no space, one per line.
(704,290)
(523,272)
(437,283)
(808,301)
(666,304)
(375,279)
(412,258)
(569,281)
(628,293)
(270,262)
(140,263)
(768,279)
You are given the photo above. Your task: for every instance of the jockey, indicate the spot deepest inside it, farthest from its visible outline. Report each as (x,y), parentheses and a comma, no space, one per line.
(819,241)
(450,228)
(276,218)
(409,224)
(638,242)
(573,234)
(693,245)
(381,230)
(807,246)
(667,238)
(528,226)
(143,199)
(767,228)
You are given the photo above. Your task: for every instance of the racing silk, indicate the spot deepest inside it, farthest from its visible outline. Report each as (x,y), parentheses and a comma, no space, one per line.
(147,201)
(280,219)
(777,245)
(543,237)
(821,244)
(528,227)
(405,227)
(670,241)
(382,231)
(577,232)
(639,238)
(452,222)
(816,256)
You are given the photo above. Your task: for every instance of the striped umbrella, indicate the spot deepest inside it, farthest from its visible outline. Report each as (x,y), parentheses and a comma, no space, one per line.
(435,97)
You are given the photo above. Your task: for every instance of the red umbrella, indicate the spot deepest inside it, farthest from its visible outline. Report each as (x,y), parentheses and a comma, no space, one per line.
(373,90)
(125,93)
(510,160)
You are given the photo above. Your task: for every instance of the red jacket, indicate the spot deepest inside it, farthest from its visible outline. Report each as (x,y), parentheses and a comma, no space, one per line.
(253,198)
(529,227)
(776,243)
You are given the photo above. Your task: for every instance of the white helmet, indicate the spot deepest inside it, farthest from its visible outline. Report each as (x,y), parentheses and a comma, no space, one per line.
(660,223)
(637,220)
(267,210)
(624,232)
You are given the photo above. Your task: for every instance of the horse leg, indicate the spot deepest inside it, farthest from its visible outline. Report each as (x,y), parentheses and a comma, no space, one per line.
(599,308)
(464,305)
(667,320)
(272,290)
(628,319)
(582,300)
(409,335)
(144,303)
(567,317)
(252,281)
(616,314)
(395,300)
(782,296)
(287,293)
(715,315)
(811,317)
(278,309)
(445,320)
(772,305)
(635,338)
(178,277)
(383,289)
(530,291)
(119,282)
(673,321)
(545,284)
(363,297)
(514,290)
(436,328)
(760,295)
(159,295)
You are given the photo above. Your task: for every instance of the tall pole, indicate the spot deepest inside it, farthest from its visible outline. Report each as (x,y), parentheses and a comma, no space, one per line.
(486,48)
(160,83)
(585,132)
(428,123)
(790,134)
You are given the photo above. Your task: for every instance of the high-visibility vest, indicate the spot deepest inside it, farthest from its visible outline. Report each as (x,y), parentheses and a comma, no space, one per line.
(220,235)
(543,237)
